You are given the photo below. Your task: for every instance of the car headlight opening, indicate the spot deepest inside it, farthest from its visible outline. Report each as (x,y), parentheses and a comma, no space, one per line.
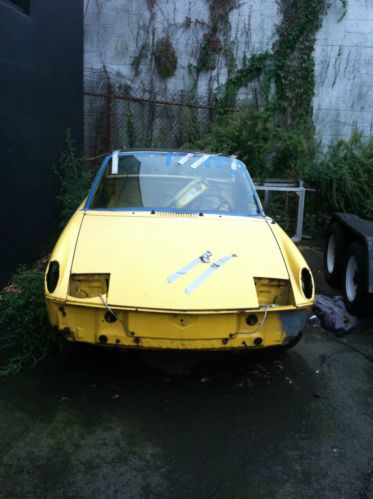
(88,285)
(273,291)
(53,275)
(307,284)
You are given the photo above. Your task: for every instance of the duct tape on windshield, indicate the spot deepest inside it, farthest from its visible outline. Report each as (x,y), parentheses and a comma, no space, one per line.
(115,163)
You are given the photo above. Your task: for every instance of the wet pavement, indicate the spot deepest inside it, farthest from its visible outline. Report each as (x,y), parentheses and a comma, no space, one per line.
(106,423)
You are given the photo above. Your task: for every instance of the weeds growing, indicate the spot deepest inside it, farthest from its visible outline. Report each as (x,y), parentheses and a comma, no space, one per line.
(26,336)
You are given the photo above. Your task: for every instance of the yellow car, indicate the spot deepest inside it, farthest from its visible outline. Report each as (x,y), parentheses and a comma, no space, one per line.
(172,250)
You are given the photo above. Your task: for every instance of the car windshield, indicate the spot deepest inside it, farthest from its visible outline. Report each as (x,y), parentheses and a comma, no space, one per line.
(174,181)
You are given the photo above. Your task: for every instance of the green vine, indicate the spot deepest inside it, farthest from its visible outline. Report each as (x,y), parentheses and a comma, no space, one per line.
(219,12)
(276,136)
(212,45)
(251,71)
(289,67)
(292,61)
(285,78)
(165,57)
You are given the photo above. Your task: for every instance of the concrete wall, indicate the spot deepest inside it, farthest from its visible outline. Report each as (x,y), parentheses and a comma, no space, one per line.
(41,62)
(344,72)
(115,31)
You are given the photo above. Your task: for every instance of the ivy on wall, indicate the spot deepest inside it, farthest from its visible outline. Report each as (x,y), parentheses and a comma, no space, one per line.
(212,45)
(276,135)
(292,57)
(285,80)
(165,57)
(286,74)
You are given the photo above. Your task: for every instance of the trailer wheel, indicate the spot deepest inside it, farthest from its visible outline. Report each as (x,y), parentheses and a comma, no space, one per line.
(355,282)
(334,254)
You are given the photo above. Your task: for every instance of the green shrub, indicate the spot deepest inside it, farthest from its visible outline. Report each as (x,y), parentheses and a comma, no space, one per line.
(267,148)
(26,336)
(344,176)
(74,179)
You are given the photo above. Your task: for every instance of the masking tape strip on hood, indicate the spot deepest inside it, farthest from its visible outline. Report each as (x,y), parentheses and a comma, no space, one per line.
(207,273)
(205,258)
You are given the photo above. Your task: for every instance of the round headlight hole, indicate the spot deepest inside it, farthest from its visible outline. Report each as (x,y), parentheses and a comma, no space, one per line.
(307,286)
(53,275)
(251,320)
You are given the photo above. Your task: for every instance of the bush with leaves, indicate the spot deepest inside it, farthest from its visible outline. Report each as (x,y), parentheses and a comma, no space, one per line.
(74,179)
(26,336)
(344,176)
(266,147)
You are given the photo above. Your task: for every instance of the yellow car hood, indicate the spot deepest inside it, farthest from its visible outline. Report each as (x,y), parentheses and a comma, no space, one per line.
(141,251)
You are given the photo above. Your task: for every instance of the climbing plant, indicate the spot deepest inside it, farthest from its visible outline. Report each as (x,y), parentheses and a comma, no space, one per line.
(165,57)
(284,78)
(288,69)
(212,45)
(292,68)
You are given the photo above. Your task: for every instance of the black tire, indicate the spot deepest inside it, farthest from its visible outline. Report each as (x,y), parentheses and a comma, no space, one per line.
(355,280)
(333,271)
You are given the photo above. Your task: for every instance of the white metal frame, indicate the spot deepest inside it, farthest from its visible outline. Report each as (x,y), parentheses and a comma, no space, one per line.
(296,186)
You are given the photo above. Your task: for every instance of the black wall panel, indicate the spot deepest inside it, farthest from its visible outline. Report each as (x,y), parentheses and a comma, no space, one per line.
(41,95)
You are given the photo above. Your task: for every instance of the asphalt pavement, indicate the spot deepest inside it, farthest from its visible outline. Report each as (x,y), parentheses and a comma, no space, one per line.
(112,424)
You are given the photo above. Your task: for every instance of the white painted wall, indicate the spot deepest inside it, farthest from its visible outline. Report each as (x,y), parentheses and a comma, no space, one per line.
(344,72)
(116,29)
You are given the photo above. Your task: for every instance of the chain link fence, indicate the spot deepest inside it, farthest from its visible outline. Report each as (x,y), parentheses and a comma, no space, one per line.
(116,115)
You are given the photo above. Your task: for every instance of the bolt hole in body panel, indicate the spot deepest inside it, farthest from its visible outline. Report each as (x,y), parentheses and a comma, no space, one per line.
(251,320)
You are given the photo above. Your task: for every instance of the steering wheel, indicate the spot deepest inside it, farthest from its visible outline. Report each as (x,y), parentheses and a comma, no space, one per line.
(212,201)
(189,193)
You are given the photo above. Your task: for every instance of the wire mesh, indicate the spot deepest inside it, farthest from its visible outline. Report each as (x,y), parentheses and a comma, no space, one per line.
(117,116)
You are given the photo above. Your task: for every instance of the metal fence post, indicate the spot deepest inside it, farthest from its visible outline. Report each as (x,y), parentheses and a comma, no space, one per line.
(109,113)
(302,196)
